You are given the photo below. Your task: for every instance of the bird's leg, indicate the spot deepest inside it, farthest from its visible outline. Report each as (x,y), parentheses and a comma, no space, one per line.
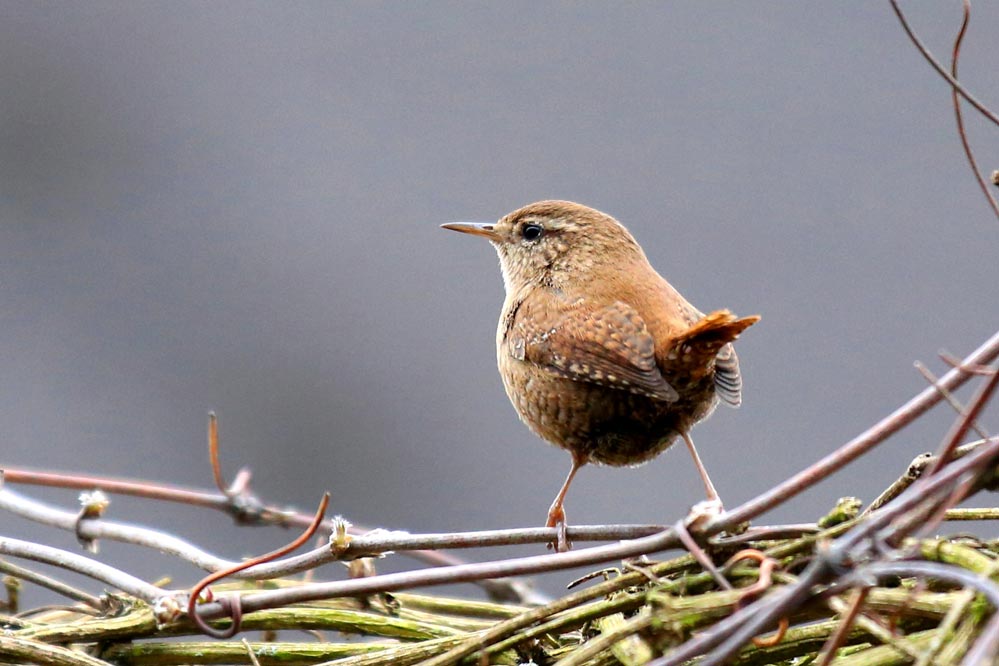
(713,505)
(556,514)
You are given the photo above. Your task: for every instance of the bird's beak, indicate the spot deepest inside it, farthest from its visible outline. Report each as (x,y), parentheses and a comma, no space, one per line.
(475,228)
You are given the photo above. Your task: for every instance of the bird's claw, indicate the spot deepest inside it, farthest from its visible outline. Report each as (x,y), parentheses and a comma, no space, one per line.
(556,519)
(704,511)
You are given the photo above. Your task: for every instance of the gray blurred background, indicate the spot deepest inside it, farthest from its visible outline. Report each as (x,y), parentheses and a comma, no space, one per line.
(235,206)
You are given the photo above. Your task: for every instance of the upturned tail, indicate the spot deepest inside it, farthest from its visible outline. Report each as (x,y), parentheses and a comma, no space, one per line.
(712,332)
(706,347)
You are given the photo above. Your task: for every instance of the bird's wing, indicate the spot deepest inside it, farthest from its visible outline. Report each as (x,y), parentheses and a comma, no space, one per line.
(609,346)
(728,379)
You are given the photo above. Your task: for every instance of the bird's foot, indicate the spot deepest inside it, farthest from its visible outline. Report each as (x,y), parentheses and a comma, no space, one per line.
(556,519)
(704,511)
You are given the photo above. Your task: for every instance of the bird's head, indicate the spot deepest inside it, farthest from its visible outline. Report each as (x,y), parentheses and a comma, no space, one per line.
(555,243)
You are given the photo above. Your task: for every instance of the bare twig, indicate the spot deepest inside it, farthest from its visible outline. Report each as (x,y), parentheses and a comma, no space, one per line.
(82,565)
(20,650)
(233,602)
(947,395)
(963,423)
(987,645)
(941,70)
(859,445)
(915,470)
(846,623)
(731,633)
(248,510)
(959,116)
(950,620)
(373,543)
(51,583)
(654,543)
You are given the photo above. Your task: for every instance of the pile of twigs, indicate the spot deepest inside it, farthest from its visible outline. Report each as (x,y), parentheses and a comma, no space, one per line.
(844,586)
(871,586)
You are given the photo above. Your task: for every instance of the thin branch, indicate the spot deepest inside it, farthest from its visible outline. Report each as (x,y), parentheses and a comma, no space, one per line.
(859,445)
(730,634)
(873,627)
(380,541)
(987,645)
(963,424)
(584,557)
(145,489)
(82,565)
(233,600)
(213,453)
(828,652)
(21,650)
(991,513)
(654,543)
(246,510)
(960,118)
(956,613)
(947,395)
(941,70)
(51,584)
(913,472)
(374,543)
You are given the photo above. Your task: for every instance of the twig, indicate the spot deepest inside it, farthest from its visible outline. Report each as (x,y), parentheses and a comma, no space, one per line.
(947,625)
(729,634)
(233,601)
(99,528)
(947,395)
(702,558)
(247,510)
(144,489)
(963,423)
(766,533)
(52,584)
(608,639)
(661,541)
(959,116)
(25,651)
(213,453)
(859,445)
(843,629)
(508,627)
(874,628)
(82,565)
(991,513)
(988,642)
(914,471)
(984,110)
(374,543)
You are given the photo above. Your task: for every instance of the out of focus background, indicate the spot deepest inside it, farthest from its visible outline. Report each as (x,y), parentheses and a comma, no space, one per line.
(235,206)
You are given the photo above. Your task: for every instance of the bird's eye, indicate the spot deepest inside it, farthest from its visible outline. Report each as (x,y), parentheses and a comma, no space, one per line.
(532,231)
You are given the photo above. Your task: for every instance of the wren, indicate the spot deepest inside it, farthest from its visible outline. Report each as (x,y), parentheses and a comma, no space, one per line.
(598,353)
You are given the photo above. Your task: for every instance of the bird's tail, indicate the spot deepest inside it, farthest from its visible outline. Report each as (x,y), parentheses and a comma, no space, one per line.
(714,330)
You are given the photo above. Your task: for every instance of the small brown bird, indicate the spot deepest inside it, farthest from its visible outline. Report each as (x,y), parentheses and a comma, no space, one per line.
(599,354)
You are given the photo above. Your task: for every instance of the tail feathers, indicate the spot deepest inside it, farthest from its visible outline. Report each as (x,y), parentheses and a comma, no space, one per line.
(706,347)
(712,332)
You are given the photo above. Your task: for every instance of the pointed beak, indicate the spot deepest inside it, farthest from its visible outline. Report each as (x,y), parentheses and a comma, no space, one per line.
(475,228)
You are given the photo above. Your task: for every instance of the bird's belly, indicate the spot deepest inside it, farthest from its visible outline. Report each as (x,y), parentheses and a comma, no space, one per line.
(606,425)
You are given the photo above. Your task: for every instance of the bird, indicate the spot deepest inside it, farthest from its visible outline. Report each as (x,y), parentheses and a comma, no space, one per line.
(598,353)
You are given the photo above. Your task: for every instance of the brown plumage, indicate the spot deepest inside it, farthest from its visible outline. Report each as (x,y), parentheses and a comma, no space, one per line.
(598,353)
